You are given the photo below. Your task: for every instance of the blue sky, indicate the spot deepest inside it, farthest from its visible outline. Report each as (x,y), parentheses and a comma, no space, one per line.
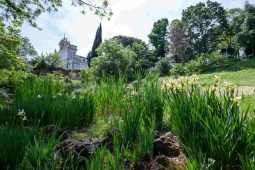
(131,18)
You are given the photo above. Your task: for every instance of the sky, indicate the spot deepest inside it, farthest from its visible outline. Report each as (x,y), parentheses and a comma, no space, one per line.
(130,17)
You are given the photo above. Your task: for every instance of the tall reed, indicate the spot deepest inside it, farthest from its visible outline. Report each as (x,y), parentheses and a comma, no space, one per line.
(209,123)
(44,102)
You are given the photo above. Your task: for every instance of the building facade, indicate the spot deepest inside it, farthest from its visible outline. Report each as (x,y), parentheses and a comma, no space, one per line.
(70,60)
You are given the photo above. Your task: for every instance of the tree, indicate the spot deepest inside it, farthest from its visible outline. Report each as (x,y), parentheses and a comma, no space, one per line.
(144,58)
(159,37)
(51,60)
(126,40)
(178,40)
(9,46)
(204,23)
(113,59)
(96,44)
(18,11)
(235,18)
(26,49)
(246,38)
(228,43)
(163,66)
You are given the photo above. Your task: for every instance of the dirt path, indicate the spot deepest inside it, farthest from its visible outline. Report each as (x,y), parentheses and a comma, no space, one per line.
(245,90)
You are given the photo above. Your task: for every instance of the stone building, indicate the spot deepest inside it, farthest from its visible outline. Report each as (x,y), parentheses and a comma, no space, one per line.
(70,60)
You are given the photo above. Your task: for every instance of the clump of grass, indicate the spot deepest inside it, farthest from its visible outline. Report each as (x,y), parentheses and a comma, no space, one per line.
(210,124)
(44,103)
(39,154)
(103,159)
(153,99)
(13,140)
(109,94)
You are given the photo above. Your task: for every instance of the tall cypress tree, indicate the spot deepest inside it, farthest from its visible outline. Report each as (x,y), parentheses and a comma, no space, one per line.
(96,44)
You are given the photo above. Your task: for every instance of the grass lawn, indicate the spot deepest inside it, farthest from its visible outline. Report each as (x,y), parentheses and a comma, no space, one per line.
(248,101)
(240,78)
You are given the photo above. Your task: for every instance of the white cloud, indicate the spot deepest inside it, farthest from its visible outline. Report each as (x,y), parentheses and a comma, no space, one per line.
(131,17)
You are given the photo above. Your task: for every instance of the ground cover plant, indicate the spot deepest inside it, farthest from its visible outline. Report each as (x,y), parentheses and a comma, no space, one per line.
(43,101)
(210,124)
(214,129)
(241,78)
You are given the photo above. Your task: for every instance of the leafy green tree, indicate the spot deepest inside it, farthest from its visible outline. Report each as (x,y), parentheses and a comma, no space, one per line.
(126,40)
(96,44)
(113,59)
(246,38)
(144,58)
(163,66)
(159,37)
(54,60)
(204,23)
(40,62)
(18,11)
(228,43)
(51,60)
(235,19)
(178,40)
(9,46)
(26,49)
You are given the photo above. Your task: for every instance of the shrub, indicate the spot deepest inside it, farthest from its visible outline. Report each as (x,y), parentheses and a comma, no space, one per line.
(3,96)
(206,63)
(177,70)
(12,78)
(87,76)
(113,59)
(163,66)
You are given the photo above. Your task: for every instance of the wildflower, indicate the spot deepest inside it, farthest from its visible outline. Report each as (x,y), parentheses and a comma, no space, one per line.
(194,77)
(39,96)
(25,118)
(236,99)
(130,87)
(212,88)
(230,87)
(134,93)
(193,80)
(216,79)
(181,81)
(21,112)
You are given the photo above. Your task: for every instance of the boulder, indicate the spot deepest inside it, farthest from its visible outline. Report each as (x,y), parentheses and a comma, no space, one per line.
(60,133)
(83,147)
(166,144)
(166,154)
(163,162)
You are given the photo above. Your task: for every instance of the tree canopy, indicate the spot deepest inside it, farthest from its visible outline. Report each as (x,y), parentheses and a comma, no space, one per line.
(204,22)
(126,40)
(18,11)
(246,38)
(159,37)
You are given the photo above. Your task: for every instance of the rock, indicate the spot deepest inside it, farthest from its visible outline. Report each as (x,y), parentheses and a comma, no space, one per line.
(83,147)
(166,144)
(108,140)
(144,163)
(60,133)
(166,152)
(163,162)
